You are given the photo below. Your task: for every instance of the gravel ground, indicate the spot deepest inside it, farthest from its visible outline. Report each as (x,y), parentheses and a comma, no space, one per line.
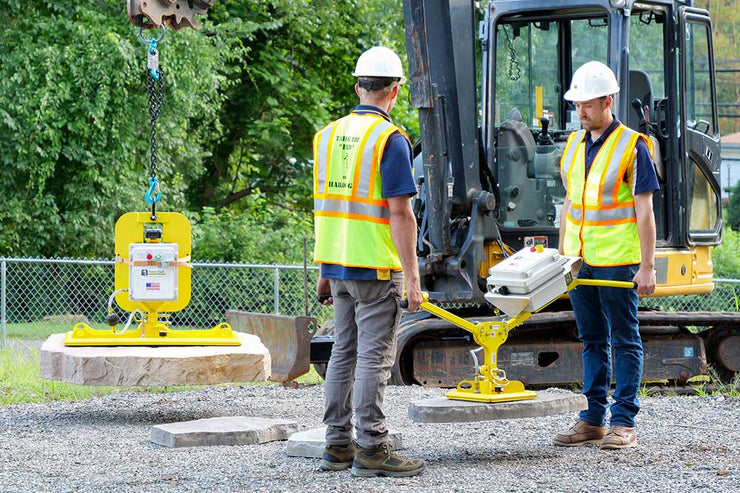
(685,443)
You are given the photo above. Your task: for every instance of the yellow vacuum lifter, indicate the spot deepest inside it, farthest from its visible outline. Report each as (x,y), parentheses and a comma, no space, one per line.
(152,279)
(519,286)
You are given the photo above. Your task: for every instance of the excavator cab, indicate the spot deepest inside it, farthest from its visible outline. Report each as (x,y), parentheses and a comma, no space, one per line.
(662,54)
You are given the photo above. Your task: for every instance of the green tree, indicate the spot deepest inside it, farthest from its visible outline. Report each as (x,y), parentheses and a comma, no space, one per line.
(75,126)
(294,78)
(732,213)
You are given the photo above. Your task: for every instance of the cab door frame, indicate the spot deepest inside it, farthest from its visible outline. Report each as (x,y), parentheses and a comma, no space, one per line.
(697,147)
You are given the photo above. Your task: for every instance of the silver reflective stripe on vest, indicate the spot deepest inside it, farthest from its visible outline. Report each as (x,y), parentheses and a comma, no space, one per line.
(568,157)
(575,214)
(610,214)
(347,207)
(322,157)
(612,167)
(363,188)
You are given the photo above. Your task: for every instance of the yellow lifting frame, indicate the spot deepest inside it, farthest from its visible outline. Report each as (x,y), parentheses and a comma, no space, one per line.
(490,383)
(154,329)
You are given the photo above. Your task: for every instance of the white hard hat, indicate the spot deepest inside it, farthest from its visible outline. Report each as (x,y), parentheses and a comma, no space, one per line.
(592,80)
(379,62)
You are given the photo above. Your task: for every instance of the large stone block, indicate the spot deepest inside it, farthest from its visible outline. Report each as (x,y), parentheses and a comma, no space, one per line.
(147,366)
(444,410)
(228,430)
(310,443)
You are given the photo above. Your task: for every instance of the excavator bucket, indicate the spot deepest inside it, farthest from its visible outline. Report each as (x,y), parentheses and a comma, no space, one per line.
(287,338)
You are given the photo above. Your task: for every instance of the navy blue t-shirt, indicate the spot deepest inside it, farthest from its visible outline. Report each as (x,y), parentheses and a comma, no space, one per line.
(645,178)
(397,179)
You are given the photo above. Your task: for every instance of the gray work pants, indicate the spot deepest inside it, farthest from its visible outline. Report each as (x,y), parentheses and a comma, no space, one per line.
(366,314)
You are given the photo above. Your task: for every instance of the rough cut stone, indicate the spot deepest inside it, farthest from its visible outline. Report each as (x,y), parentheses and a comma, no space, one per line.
(229,430)
(147,366)
(310,443)
(444,410)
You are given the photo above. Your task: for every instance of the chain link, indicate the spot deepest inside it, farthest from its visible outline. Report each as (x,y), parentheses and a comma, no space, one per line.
(155,92)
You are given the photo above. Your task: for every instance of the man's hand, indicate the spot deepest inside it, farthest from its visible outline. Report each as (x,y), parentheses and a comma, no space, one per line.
(413,295)
(323,289)
(645,279)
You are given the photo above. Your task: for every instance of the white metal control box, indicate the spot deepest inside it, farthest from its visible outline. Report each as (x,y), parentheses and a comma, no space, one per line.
(530,279)
(526,270)
(153,278)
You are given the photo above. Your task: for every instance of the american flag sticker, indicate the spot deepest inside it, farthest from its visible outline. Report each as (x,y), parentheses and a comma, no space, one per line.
(152,286)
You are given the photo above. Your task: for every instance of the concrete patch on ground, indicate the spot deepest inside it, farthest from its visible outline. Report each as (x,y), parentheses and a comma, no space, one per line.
(227,430)
(310,443)
(444,410)
(148,366)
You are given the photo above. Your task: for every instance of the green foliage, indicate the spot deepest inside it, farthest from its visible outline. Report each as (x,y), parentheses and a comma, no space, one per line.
(254,235)
(242,101)
(732,213)
(75,124)
(725,257)
(294,78)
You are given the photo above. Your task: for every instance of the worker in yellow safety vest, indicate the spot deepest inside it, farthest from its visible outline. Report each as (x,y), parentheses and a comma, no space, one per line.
(607,219)
(365,243)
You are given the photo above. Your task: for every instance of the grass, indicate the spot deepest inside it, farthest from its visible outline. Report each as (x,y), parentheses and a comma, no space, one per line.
(20,382)
(40,330)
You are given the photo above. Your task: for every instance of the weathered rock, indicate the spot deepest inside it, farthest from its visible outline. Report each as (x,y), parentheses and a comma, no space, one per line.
(147,366)
(227,430)
(310,443)
(444,410)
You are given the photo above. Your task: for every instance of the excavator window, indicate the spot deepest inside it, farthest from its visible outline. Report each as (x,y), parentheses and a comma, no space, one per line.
(530,118)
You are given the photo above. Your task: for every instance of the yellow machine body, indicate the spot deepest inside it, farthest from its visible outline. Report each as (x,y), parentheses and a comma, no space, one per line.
(153,329)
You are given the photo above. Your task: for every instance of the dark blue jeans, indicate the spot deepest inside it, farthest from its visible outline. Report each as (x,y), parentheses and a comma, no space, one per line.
(607,317)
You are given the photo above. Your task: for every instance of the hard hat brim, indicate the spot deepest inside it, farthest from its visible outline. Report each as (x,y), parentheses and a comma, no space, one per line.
(575,95)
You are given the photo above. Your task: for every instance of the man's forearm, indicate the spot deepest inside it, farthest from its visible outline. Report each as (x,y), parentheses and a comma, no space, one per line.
(646,229)
(403,234)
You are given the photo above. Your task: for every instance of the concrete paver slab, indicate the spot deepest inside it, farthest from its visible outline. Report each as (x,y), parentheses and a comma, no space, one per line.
(147,366)
(227,430)
(310,443)
(444,410)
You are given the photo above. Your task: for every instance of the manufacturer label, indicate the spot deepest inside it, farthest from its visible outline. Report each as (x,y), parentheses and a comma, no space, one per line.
(530,241)
(522,359)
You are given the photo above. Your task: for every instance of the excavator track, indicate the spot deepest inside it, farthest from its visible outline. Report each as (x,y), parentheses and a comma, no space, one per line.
(545,350)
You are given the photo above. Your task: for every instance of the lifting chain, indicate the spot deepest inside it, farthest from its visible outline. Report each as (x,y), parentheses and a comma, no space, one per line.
(515,70)
(155,92)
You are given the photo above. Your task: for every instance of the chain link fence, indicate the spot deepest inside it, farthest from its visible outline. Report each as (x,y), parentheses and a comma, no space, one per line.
(42,296)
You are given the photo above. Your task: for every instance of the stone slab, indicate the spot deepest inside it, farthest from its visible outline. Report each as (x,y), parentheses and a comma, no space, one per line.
(444,410)
(147,366)
(310,443)
(228,430)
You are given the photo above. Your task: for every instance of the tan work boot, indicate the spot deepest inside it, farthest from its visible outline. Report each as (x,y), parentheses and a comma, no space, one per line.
(619,437)
(337,457)
(580,433)
(381,461)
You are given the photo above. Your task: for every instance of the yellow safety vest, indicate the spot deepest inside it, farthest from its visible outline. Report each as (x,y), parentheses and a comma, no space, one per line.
(351,217)
(601,223)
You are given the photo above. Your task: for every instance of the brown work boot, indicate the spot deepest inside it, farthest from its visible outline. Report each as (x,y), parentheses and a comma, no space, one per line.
(619,437)
(337,457)
(381,461)
(580,433)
